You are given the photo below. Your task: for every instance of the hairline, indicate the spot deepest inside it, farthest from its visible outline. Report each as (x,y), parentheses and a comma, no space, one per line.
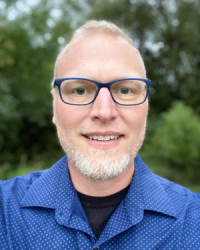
(96,27)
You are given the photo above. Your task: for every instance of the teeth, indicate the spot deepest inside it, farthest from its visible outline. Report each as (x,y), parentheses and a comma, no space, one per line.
(103,137)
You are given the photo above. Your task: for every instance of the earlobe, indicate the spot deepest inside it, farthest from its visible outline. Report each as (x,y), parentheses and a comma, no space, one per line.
(52,93)
(54,120)
(54,117)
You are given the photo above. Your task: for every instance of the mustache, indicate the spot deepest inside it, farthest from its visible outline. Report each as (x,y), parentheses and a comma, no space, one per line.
(88,130)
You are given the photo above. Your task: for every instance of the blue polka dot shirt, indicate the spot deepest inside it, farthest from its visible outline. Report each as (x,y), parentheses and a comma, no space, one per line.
(42,211)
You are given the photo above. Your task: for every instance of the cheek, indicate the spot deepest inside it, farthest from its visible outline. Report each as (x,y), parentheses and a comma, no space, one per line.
(69,116)
(135,117)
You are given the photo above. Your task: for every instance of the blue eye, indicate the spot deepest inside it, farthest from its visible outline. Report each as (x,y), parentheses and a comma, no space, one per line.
(124,90)
(80,91)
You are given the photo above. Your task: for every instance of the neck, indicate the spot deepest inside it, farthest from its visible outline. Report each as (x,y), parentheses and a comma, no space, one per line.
(107,187)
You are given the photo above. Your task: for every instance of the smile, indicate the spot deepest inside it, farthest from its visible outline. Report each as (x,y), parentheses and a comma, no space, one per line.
(103,137)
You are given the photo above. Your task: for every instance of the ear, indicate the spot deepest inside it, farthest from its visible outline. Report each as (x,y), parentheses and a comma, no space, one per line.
(53,93)
(54,116)
(54,119)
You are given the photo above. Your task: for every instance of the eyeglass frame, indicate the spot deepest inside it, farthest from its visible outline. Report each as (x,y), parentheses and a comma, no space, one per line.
(58,81)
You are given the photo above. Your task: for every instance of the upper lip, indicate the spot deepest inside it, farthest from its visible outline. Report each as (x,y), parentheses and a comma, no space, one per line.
(103,133)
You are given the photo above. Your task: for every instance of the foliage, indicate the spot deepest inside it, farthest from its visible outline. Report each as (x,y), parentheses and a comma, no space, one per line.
(167,34)
(165,31)
(25,166)
(177,140)
(29,44)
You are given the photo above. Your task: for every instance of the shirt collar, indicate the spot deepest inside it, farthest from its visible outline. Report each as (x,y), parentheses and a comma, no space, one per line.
(45,190)
(147,193)
(54,190)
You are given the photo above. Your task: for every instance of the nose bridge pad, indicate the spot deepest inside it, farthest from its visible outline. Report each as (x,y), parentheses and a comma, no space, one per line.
(104,108)
(107,87)
(98,91)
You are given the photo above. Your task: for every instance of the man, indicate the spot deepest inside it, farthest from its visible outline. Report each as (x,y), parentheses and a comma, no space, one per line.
(101,195)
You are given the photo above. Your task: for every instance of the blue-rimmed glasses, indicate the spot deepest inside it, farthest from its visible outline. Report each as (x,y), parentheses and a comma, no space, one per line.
(83,91)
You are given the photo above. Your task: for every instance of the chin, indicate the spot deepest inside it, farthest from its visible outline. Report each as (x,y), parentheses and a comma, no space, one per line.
(98,167)
(99,164)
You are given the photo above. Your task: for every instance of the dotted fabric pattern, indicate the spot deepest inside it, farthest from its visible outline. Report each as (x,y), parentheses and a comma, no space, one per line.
(41,210)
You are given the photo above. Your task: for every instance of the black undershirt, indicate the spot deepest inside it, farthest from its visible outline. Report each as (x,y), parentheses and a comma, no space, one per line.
(99,209)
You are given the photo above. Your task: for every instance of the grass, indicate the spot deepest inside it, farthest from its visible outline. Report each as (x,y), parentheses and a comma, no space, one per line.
(40,162)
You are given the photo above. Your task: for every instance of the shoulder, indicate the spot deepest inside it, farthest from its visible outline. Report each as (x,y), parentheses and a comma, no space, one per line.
(11,193)
(13,190)
(173,187)
(185,201)
(16,187)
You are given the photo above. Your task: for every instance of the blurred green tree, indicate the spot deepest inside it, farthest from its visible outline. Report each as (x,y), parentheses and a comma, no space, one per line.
(30,38)
(167,34)
(165,31)
(177,140)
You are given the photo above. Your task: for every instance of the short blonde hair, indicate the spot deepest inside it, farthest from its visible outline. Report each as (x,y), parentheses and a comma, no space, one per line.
(93,26)
(97,27)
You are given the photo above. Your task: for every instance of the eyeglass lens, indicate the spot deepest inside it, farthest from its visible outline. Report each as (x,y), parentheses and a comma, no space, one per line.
(78,91)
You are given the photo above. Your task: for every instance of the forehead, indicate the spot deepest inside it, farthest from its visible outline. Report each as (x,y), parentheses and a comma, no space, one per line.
(100,55)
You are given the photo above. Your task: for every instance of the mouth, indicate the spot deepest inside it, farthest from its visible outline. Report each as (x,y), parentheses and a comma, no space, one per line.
(103,140)
(102,137)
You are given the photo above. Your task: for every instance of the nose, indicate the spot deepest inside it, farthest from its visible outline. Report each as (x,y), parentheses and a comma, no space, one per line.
(103,108)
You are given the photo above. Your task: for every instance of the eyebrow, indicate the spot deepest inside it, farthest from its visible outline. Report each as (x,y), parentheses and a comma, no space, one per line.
(129,75)
(121,76)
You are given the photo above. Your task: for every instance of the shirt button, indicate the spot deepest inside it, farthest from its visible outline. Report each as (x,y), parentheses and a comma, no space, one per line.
(96,248)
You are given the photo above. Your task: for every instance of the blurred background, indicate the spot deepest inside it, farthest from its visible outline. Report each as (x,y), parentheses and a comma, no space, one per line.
(167,33)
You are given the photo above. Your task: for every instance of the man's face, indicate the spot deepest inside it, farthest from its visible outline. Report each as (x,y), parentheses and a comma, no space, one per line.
(101,138)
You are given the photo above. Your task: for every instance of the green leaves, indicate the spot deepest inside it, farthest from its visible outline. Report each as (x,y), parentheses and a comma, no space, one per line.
(167,35)
(27,56)
(177,139)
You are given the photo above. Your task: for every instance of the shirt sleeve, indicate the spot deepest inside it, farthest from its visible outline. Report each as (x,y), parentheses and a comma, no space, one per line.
(3,234)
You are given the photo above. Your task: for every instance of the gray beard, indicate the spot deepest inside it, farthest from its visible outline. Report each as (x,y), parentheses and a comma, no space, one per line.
(99,164)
